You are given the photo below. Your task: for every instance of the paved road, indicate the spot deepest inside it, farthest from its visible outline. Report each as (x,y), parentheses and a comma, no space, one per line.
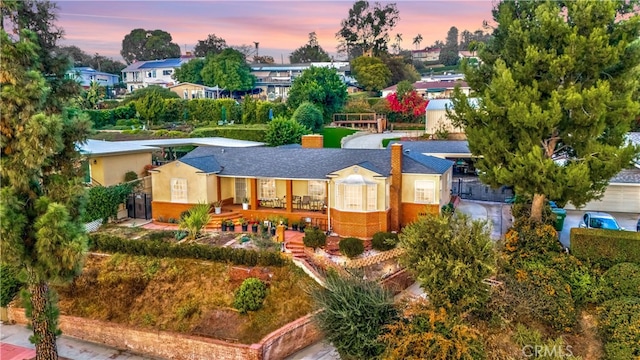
(370,141)
(68,347)
(625,220)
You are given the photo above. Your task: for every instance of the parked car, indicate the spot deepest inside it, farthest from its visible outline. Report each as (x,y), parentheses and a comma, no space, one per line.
(599,220)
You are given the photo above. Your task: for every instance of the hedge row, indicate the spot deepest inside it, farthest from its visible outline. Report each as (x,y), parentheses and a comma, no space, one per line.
(229,132)
(605,247)
(115,244)
(109,117)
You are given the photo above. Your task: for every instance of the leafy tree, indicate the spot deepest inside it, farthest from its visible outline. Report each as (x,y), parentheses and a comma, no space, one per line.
(250,296)
(228,70)
(150,107)
(41,186)
(354,315)
(546,93)
(403,88)
(39,17)
(310,52)
(396,45)
(103,202)
(282,131)
(310,116)
(426,333)
(76,55)
(191,71)
(417,40)
(401,69)
(366,29)
(211,45)
(249,110)
(152,89)
(320,86)
(98,62)
(141,45)
(196,219)
(449,52)
(411,107)
(9,284)
(450,256)
(370,72)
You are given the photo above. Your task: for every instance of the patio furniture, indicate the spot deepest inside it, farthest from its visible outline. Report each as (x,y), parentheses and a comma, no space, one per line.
(306,202)
(297,202)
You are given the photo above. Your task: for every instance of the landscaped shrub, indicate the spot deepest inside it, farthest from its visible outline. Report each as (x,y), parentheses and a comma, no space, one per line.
(232,132)
(529,238)
(605,247)
(309,115)
(534,346)
(351,247)
(384,241)
(250,295)
(314,238)
(115,244)
(9,284)
(619,326)
(425,333)
(196,218)
(103,201)
(621,280)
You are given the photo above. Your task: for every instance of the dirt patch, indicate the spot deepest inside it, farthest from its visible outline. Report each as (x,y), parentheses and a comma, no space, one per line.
(224,324)
(586,343)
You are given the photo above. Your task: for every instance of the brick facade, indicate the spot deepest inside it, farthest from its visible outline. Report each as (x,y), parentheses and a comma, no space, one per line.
(163,344)
(359,224)
(313,141)
(410,212)
(395,196)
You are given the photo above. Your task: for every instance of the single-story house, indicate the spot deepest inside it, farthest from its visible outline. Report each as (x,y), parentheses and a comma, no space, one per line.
(432,89)
(352,192)
(190,91)
(86,75)
(436,116)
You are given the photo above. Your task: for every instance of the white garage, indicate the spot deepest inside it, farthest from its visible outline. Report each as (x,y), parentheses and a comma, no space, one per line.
(622,194)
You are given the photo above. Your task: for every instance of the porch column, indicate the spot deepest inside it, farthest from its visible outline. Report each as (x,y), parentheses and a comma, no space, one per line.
(289,186)
(253,190)
(218,188)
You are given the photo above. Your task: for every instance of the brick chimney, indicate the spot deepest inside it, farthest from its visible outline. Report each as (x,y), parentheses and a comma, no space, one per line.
(314,141)
(395,197)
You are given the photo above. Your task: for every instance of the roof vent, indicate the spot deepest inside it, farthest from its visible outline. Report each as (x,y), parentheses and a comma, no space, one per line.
(223,151)
(406,151)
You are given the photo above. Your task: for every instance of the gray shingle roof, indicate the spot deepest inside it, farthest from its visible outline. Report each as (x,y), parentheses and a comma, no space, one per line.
(627,176)
(437,146)
(301,163)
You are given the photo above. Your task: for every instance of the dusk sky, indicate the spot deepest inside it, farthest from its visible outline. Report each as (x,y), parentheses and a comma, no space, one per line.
(279,26)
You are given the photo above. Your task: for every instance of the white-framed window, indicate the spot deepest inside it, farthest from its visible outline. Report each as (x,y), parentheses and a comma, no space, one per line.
(352,197)
(178,190)
(266,188)
(317,189)
(425,192)
(372,197)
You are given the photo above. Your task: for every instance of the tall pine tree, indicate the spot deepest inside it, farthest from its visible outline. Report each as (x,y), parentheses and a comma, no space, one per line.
(41,191)
(556,88)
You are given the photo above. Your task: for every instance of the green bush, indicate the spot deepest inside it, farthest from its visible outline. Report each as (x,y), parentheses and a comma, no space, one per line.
(619,326)
(351,247)
(114,244)
(605,247)
(232,132)
(314,238)
(310,116)
(536,347)
(9,284)
(621,280)
(250,295)
(103,202)
(283,131)
(384,241)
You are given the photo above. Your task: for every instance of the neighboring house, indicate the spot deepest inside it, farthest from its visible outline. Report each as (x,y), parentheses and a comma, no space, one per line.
(86,75)
(472,56)
(623,192)
(445,77)
(432,90)
(274,80)
(190,91)
(141,74)
(426,54)
(436,116)
(354,192)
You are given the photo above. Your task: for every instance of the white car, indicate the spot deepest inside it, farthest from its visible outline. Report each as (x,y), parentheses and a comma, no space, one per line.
(599,220)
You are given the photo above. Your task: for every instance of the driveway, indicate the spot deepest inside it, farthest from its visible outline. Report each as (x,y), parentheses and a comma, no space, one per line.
(370,141)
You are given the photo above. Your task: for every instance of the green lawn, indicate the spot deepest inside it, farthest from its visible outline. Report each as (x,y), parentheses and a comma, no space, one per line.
(385,142)
(332,136)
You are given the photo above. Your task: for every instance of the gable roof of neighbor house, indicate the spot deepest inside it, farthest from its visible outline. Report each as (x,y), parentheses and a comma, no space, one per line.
(303,163)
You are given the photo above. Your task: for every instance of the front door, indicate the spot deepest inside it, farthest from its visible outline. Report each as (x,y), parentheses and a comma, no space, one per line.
(241,190)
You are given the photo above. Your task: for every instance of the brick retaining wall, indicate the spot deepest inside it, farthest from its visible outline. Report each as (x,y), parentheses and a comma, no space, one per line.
(163,344)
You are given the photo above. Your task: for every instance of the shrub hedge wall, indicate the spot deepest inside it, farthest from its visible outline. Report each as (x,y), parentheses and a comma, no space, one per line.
(257,134)
(115,244)
(605,247)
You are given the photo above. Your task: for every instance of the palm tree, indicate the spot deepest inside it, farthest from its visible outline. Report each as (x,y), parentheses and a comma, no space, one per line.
(417,40)
(398,41)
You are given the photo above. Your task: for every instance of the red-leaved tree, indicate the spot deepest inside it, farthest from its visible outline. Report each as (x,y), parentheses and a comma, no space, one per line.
(409,108)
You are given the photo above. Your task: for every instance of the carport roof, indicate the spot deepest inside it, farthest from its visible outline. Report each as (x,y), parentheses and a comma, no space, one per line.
(430,147)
